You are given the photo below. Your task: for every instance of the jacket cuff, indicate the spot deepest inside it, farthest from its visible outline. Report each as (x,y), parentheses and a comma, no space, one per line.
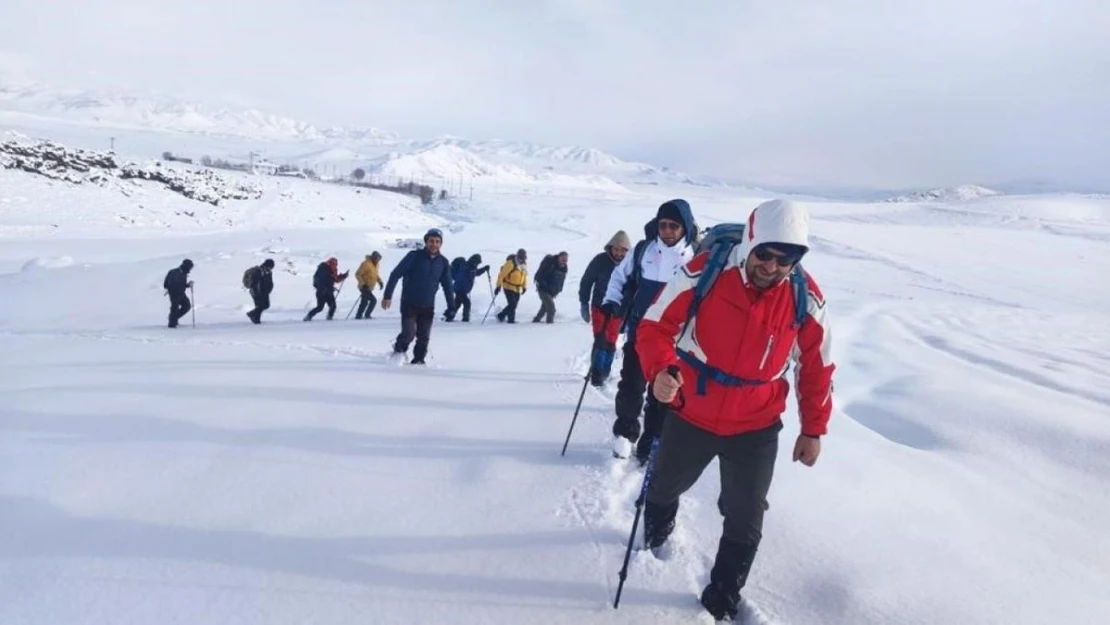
(813,431)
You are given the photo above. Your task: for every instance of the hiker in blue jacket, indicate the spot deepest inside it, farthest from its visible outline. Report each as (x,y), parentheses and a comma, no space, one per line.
(463,274)
(424,272)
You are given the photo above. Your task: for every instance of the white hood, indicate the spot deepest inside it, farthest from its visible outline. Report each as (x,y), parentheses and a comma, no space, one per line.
(775,221)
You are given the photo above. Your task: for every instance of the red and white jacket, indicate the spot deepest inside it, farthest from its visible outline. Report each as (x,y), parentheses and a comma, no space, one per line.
(745,332)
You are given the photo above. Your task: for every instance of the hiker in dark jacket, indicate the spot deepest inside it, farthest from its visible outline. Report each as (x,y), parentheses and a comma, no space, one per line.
(591,295)
(324,280)
(463,274)
(176,283)
(549,283)
(424,272)
(262,284)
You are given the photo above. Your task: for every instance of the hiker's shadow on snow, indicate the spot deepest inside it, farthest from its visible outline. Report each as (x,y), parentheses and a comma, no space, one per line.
(291,364)
(45,531)
(121,428)
(371,401)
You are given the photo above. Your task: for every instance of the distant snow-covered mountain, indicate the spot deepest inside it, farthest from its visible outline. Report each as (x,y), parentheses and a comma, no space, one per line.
(159,112)
(208,129)
(961,193)
(449,162)
(591,157)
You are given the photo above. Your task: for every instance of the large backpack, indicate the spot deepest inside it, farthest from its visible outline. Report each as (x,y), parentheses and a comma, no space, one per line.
(166,280)
(718,243)
(458,269)
(248,277)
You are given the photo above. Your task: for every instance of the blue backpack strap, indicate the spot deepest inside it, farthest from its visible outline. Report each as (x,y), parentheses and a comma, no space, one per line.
(718,257)
(800,286)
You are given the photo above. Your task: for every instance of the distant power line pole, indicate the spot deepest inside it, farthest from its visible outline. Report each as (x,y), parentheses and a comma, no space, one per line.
(112,145)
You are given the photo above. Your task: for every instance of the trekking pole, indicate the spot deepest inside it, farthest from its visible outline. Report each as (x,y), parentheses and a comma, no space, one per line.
(352,309)
(673,370)
(491,303)
(585,383)
(193,297)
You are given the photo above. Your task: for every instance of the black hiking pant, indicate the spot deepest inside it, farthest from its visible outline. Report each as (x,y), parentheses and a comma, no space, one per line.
(366,301)
(323,298)
(508,313)
(747,465)
(261,303)
(179,307)
(416,321)
(630,402)
(547,308)
(462,301)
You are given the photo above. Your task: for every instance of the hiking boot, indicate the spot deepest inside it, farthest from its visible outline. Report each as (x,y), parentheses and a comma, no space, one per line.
(658,523)
(723,603)
(729,574)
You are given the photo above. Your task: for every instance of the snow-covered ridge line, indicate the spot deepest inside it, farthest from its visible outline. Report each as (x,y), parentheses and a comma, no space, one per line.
(77,166)
(162,112)
(954,194)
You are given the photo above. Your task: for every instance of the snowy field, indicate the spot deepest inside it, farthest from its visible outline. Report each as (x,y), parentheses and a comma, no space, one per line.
(287,474)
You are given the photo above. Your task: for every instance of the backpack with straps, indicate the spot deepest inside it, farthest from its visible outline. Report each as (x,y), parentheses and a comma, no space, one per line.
(248,277)
(458,269)
(718,243)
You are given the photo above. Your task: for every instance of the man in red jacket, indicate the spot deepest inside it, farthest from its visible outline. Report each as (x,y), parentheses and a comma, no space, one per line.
(744,330)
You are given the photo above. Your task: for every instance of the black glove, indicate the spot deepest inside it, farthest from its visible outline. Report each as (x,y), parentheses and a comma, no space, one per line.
(343,276)
(611,309)
(497,291)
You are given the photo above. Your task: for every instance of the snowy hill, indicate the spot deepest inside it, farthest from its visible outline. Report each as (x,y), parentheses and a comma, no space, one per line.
(524,150)
(81,193)
(445,162)
(961,193)
(75,166)
(159,122)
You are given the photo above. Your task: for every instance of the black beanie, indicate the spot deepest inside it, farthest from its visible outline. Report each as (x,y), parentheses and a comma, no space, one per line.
(670,211)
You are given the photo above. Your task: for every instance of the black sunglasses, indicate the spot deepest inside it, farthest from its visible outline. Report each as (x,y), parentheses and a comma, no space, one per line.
(764,254)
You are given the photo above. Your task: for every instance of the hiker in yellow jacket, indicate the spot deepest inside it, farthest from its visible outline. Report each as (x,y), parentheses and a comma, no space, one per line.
(367,276)
(514,280)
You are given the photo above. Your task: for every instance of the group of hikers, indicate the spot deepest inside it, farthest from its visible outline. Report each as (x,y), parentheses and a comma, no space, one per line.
(424,272)
(712,322)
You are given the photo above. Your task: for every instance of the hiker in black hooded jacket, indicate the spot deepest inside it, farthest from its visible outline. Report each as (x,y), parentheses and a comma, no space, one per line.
(176,283)
(262,284)
(549,280)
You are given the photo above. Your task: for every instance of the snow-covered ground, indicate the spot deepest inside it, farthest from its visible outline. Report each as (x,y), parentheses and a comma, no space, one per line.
(286,473)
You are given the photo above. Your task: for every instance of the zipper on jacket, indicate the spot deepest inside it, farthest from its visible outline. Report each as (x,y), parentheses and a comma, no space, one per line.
(767,352)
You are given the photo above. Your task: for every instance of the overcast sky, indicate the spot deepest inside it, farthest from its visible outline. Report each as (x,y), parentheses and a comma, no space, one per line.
(871,93)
